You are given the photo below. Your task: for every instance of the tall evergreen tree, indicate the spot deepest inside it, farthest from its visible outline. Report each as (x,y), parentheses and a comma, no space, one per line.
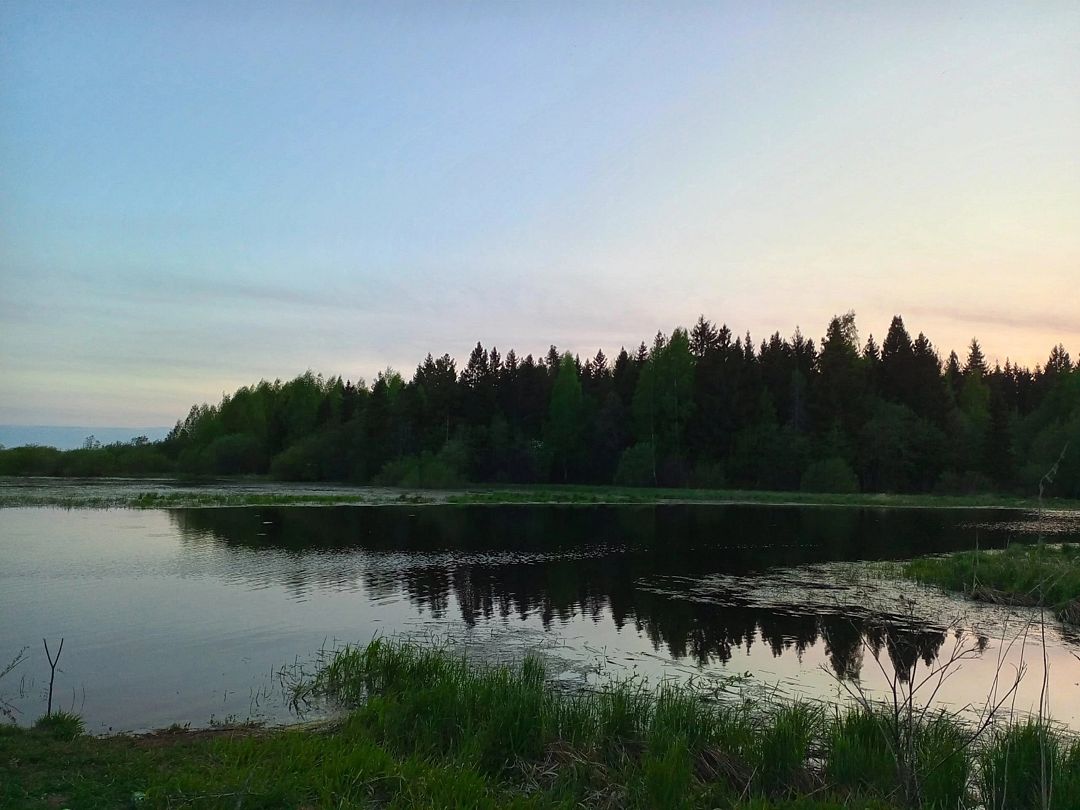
(976,362)
(928,398)
(704,338)
(998,448)
(898,375)
(712,423)
(841,389)
(563,432)
(871,356)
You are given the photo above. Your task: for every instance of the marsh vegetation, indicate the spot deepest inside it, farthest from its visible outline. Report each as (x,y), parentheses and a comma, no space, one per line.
(425,728)
(1040,575)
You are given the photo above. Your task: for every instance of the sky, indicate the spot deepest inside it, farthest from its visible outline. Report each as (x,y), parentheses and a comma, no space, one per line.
(195,195)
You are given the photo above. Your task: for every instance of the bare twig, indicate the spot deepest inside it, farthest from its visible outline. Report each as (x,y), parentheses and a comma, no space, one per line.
(52,669)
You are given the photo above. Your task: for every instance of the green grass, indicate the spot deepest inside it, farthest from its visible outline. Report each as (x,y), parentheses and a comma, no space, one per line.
(344,767)
(1028,767)
(1021,575)
(423,728)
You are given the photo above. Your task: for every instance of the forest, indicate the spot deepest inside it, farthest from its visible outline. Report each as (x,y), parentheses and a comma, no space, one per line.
(696,408)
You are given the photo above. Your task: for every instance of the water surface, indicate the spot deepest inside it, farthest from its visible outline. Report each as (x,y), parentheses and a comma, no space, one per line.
(184,615)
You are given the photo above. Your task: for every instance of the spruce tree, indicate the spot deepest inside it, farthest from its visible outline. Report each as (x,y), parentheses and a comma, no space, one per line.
(898,376)
(703,338)
(563,431)
(976,362)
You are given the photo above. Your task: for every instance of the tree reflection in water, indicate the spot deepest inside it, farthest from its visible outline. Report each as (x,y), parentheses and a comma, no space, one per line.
(563,563)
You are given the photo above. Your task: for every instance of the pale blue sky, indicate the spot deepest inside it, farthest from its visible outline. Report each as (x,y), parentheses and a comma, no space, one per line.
(197,195)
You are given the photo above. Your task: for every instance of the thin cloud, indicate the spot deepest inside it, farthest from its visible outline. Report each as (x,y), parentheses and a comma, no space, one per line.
(178,289)
(1041,321)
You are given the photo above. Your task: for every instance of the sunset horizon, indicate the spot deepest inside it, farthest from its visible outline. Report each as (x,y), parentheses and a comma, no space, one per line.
(198,198)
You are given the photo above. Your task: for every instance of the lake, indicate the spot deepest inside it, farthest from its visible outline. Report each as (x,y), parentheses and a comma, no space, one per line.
(189,615)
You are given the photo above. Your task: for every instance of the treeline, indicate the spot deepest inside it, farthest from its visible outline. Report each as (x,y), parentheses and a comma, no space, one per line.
(139,456)
(699,408)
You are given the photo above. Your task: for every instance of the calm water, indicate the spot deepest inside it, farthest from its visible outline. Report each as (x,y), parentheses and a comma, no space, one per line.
(185,615)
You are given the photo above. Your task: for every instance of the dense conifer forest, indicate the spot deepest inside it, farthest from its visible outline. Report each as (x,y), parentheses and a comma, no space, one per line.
(700,408)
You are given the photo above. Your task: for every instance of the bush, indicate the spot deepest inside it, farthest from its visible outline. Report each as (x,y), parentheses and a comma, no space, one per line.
(767,457)
(708,475)
(829,475)
(142,460)
(299,462)
(952,482)
(427,470)
(90,462)
(417,472)
(30,459)
(672,471)
(636,467)
(321,457)
(235,453)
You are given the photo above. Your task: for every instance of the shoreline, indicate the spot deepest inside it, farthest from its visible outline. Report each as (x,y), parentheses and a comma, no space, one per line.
(157,493)
(425,728)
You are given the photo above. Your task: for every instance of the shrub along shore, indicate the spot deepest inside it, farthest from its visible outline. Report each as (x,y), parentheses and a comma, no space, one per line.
(423,728)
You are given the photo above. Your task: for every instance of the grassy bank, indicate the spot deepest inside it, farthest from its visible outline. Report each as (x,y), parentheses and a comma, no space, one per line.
(575,494)
(427,730)
(1020,575)
(129,494)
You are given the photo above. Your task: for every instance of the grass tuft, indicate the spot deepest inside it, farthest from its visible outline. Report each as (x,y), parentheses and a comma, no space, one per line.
(1030,766)
(61,725)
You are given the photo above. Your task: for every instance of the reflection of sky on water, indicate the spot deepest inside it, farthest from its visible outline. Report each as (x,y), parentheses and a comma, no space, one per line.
(183,615)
